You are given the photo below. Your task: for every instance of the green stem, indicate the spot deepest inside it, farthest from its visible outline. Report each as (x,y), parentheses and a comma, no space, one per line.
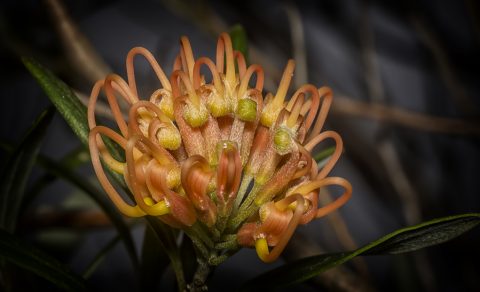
(177,268)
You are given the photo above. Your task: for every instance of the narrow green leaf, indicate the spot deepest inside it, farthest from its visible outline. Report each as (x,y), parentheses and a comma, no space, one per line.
(18,169)
(401,241)
(239,40)
(62,96)
(32,259)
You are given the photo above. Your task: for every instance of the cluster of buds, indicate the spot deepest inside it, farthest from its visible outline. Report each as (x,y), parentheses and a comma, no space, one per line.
(218,159)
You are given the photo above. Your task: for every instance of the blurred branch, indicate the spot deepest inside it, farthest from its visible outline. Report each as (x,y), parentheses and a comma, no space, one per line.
(447,73)
(298,45)
(79,51)
(344,106)
(386,148)
(77,219)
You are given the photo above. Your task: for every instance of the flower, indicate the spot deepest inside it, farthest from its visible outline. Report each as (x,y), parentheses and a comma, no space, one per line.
(218,159)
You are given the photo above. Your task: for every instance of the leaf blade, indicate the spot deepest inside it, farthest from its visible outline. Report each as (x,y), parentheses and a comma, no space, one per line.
(298,271)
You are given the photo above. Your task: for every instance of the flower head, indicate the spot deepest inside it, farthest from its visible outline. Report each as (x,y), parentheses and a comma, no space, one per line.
(214,153)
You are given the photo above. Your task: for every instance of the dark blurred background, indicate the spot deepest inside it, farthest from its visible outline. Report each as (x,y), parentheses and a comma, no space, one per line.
(405,76)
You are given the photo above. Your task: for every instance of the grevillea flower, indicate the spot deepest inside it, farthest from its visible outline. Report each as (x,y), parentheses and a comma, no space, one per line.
(218,159)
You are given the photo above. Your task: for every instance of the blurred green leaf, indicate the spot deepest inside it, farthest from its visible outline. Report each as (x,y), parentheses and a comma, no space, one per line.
(96,195)
(324,154)
(98,259)
(18,169)
(62,97)
(239,40)
(32,259)
(154,261)
(401,241)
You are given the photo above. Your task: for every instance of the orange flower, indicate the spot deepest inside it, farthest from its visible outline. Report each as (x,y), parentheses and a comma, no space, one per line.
(218,156)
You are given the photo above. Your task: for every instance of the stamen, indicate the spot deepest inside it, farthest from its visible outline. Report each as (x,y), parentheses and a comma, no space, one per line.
(153,62)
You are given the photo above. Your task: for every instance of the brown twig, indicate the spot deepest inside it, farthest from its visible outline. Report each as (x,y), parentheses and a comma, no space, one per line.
(79,51)
(354,108)
(447,73)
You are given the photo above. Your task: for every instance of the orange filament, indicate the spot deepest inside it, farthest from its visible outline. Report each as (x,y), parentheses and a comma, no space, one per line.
(112,100)
(336,154)
(246,79)
(196,175)
(241,63)
(153,63)
(229,173)
(197,78)
(125,208)
(186,56)
(176,88)
(319,183)
(313,103)
(225,50)
(327,95)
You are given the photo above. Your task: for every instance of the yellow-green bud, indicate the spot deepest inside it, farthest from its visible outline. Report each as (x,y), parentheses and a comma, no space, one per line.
(247,110)
(282,141)
(195,116)
(218,106)
(169,137)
